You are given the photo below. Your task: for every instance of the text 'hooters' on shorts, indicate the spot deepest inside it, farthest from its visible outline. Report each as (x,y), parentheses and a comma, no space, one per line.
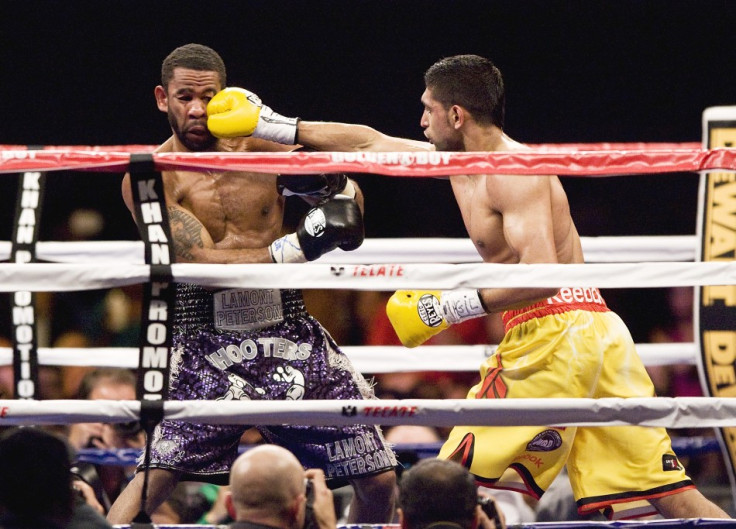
(245,344)
(569,346)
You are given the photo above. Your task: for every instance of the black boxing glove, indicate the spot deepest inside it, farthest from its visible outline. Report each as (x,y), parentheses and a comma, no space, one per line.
(315,187)
(334,223)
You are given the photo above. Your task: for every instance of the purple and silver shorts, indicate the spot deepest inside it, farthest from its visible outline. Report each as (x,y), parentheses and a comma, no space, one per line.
(243,344)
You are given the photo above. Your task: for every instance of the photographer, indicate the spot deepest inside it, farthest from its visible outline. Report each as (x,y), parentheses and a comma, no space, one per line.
(269,488)
(106,480)
(442,494)
(36,488)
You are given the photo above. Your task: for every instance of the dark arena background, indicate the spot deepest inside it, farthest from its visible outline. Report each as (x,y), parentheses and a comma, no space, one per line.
(82,72)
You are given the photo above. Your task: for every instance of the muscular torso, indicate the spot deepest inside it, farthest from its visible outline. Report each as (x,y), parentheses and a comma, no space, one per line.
(517,219)
(484,220)
(213,214)
(238,210)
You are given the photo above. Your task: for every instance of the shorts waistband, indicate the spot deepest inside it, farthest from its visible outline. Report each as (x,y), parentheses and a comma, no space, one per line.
(235,309)
(567,299)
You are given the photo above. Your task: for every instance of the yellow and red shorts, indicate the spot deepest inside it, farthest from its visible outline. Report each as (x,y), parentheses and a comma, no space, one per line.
(569,346)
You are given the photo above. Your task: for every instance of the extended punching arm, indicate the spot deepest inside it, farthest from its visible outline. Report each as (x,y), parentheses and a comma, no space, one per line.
(235,112)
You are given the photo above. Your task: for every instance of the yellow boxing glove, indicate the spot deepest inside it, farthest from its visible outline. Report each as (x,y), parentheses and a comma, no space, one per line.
(235,112)
(417,315)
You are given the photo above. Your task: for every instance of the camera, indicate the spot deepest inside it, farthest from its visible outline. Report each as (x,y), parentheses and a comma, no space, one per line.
(489,507)
(127,430)
(309,521)
(77,493)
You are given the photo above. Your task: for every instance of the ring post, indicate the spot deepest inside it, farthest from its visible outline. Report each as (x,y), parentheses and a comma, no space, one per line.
(28,207)
(152,387)
(715,305)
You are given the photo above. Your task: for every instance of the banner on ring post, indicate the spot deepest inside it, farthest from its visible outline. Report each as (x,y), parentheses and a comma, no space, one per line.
(28,206)
(158,294)
(715,305)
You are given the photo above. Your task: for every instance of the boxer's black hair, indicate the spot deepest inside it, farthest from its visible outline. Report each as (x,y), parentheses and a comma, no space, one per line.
(471,81)
(193,57)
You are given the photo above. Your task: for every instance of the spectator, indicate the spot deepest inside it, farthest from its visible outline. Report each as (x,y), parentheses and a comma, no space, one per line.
(442,494)
(107,480)
(412,443)
(36,490)
(405,440)
(269,487)
(49,379)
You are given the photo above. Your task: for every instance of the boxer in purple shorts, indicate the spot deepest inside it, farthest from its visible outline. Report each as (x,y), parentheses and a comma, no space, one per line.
(295,359)
(245,343)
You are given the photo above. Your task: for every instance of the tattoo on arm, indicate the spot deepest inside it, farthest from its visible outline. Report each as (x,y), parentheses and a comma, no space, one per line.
(186,231)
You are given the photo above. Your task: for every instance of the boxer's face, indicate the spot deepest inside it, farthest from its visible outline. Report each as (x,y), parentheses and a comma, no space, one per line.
(439,127)
(185,102)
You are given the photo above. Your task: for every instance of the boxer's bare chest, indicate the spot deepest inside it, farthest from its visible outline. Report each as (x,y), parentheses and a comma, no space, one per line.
(483,222)
(229,204)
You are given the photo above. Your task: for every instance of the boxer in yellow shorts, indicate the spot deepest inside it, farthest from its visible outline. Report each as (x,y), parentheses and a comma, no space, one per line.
(511,220)
(568,346)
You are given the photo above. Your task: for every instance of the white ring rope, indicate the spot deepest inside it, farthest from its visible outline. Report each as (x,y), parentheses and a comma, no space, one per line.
(45,277)
(698,412)
(679,412)
(621,249)
(379,359)
(372,359)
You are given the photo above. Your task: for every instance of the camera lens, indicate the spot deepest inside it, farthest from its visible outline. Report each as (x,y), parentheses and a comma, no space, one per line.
(128,429)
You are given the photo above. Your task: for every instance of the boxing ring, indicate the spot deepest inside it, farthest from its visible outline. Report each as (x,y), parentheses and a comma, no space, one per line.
(379,265)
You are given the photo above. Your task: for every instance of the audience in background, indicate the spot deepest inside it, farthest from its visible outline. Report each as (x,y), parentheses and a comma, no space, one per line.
(682,380)
(187,503)
(94,318)
(679,380)
(556,505)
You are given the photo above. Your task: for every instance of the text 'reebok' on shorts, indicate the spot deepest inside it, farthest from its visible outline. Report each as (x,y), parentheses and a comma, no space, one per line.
(569,346)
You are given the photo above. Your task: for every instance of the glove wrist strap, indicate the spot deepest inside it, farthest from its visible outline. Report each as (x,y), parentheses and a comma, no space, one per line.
(287,250)
(273,126)
(348,190)
(461,305)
